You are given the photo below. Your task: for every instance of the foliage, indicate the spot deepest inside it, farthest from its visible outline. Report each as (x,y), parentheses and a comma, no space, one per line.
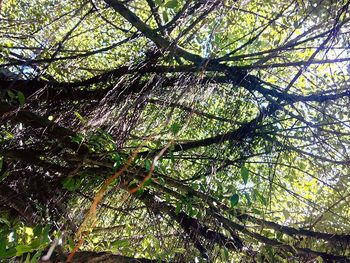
(180,131)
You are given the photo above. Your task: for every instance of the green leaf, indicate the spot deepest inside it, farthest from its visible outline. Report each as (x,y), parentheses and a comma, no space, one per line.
(225,255)
(178,208)
(262,199)
(81,118)
(148,164)
(120,243)
(69,184)
(21,98)
(175,128)
(247,196)
(256,211)
(77,139)
(37,230)
(161,181)
(190,210)
(4,221)
(45,234)
(36,257)
(165,16)
(171,4)
(302,166)
(133,183)
(3,241)
(172,157)
(117,161)
(234,199)
(279,236)
(319,259)
(244,174)
(147,182)
(36,243)
(180,250)
(10,253)
(11,94)
(21,249)
(70,243)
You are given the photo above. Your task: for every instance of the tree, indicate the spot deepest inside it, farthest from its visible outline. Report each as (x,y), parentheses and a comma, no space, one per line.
(180,131)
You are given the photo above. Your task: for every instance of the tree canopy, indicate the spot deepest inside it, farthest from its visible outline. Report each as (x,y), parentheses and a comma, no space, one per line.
(175,131)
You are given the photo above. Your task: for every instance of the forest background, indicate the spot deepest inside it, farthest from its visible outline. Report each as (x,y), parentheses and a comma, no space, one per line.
(174,131)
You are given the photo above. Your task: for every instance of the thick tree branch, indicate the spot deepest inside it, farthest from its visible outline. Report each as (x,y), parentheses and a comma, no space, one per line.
(10,198)
(51,129)
(106,257)
(150,33)
(191,225)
